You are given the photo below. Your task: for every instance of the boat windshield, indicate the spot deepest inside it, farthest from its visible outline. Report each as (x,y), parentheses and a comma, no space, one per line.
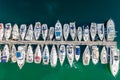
(116,58)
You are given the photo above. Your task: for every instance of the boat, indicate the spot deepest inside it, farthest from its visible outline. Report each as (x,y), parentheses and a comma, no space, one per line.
(53,57)
(79,33)
(95,55)
(103,56)
(62,54)
(86,56)
(22,31)
(5,54)
(58,30)
(29,55)
(8,29)
(86,36)
(72,30)
(44,31)
(51,33)
(20,54)
(66,31)
(29,34)
(110,30)
(77,53)
(70,54)
(1,31)
(15,32)
(114,60)
(100,31)
(37,30)
(93,30)
(37,55)
(13,54)
(46,55)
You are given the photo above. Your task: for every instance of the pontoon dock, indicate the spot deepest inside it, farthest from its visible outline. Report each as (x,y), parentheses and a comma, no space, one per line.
(107,43)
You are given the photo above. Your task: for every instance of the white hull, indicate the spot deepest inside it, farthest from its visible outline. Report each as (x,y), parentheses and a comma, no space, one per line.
(95,54)
(103,56)
(15,32)
(100,31)
(37,55)
(13,54)
(86,56)
(66,31)
(73,30)
(29,56)
(86,36)
(8,30)
(79,33)
(1,31)
(70,54)
(77,53)
(62,54)
(0,55)
(51,33)
(93,30)
(53,57)
(110,30)
(20,56)
(22,31)
(114,61)
(58,30)
(37,30)
(44,31)
(46,55)
(5,54)
(29,34)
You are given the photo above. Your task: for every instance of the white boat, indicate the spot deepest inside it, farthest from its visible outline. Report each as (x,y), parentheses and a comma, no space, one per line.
(37,55)
(93,30)
(22,31)
(5,54)
(73,30)
(62,54)
(44,31)
(103,56)
(1,31)
(110,30)
(20,54)
(86,36)
(37,30)
(77,53)
(15,32)
(79,33)
(86,56)
(29,55)
(100,30)
(51,33)
(53,57)
(46,55)
(114,61)
(58,30)
(29,34)
(95,54)
(70,54)
(13,54)
(66,31)
(8,29)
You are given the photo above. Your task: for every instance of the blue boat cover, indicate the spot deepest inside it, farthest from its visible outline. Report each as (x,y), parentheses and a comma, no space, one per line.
(18,54)
(77,51)
(58,33)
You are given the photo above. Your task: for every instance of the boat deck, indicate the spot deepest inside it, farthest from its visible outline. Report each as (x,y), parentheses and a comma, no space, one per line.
(107,43)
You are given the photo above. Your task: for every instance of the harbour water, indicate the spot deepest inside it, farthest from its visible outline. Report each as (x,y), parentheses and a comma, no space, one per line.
(83,12)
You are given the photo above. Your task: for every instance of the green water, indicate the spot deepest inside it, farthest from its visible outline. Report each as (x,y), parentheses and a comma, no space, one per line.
(49,11)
